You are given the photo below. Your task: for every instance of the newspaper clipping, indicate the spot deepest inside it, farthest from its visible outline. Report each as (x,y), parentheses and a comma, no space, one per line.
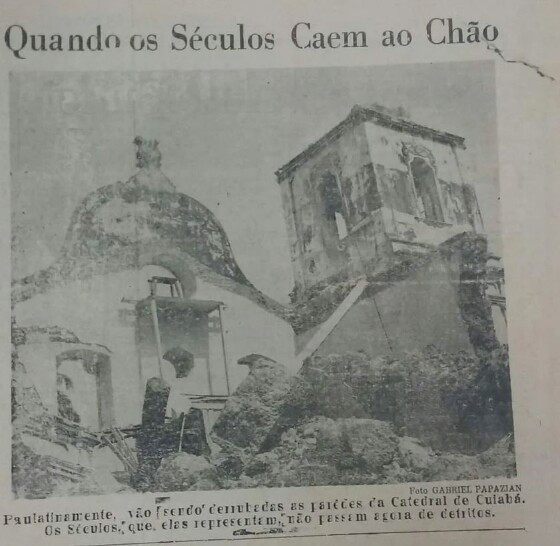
(258,284)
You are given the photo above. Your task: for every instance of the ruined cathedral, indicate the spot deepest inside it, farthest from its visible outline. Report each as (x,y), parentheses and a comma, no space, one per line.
(138,341)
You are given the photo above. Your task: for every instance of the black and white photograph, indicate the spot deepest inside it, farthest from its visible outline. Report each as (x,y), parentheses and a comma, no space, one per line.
(257,278)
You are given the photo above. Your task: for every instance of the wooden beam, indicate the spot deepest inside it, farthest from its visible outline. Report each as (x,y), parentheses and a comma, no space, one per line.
(155,322)
(330,324)
(223,349)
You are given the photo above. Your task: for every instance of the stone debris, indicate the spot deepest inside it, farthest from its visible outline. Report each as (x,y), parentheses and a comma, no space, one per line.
(184,472)
(254,407)
(345,419)
(348,420)
(365,451)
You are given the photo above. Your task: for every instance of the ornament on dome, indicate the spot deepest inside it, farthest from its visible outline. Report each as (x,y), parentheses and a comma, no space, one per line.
(147,153)
(148,160)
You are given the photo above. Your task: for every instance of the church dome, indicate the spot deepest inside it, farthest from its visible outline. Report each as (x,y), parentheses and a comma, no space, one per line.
(144,221)
(124,219)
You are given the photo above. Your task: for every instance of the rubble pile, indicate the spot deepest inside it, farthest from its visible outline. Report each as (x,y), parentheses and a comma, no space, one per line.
(348,420)
(254,407)
(344,419)
(326,451)
(39,436)
(183,471)
(366,451)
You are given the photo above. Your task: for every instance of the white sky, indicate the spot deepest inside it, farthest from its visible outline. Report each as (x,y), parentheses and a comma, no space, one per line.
(222,135)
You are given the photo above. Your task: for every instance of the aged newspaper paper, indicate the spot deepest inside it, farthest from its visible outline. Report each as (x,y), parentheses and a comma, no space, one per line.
(279,272)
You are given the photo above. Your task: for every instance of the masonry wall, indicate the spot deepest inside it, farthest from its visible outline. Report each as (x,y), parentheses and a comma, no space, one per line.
(318,251)
(93,309)
(39,357)
(391,151)
(410,315)
(379,205)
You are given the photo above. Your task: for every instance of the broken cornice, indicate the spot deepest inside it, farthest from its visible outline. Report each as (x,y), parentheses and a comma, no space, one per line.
(359,114)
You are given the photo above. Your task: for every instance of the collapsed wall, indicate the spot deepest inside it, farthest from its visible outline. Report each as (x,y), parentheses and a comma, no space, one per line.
(348,419)
(52,454)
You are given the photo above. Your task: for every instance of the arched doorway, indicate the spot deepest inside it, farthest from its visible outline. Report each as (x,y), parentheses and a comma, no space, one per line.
(425,185)
(84,387)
